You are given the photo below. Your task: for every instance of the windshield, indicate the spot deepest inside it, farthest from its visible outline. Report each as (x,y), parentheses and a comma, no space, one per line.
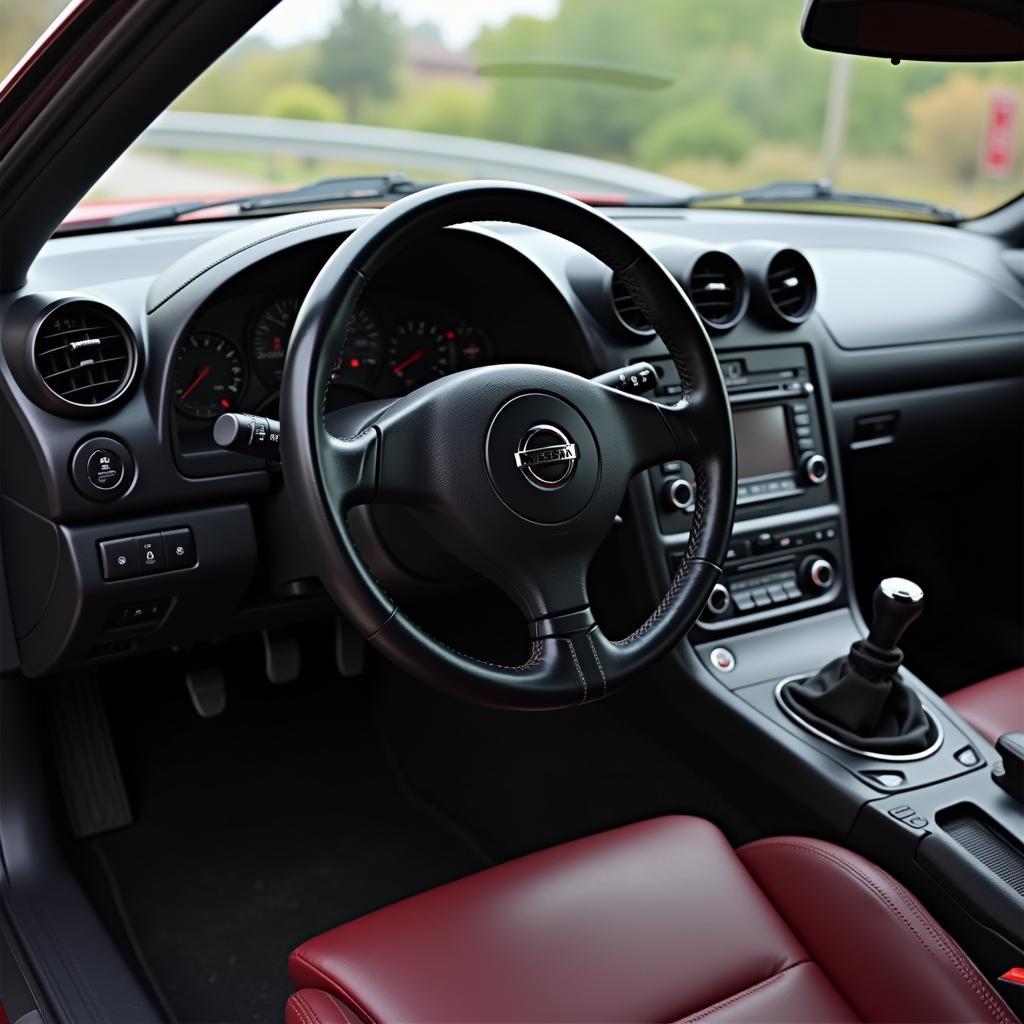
(610,100)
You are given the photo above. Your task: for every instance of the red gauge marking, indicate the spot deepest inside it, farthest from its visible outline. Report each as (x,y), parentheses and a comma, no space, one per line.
(225,404)
(200,376)
(406,363)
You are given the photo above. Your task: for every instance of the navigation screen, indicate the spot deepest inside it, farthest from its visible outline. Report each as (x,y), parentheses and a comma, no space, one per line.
(762,441)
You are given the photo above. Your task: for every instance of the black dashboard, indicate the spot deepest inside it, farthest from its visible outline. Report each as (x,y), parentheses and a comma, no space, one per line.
(123,348)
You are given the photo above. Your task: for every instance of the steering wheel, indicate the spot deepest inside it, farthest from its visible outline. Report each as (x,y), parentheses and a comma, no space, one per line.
(518,470)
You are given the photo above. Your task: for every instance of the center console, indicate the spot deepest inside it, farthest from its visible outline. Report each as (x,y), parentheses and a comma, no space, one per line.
(786,554)
(782,628)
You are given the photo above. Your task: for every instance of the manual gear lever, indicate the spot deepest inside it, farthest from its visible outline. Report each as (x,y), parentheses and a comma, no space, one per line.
(860,700)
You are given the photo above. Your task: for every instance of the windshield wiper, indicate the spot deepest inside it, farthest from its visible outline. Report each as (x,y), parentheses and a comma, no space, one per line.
(791,192)
(328,192)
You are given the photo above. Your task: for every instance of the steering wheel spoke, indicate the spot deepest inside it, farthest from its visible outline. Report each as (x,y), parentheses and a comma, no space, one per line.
(651,433)
(350,468)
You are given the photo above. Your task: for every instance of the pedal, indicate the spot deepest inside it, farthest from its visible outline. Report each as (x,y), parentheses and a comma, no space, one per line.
(207,690)
(349,649)
(90,774)
(282,656)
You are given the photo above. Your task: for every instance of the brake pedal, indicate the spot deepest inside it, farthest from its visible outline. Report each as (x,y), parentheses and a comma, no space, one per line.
(282,656)
(207,690)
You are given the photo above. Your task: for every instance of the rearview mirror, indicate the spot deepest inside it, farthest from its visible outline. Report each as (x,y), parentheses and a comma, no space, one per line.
(943,30)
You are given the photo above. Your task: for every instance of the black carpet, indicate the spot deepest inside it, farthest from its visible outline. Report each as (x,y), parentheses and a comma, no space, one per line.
(257,830)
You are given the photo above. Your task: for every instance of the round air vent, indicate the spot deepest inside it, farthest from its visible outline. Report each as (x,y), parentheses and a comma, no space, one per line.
(791,286)
(629,313)
(85,357)
(718,290)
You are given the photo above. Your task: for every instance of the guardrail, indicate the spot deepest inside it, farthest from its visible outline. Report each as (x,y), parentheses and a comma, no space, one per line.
(397,149)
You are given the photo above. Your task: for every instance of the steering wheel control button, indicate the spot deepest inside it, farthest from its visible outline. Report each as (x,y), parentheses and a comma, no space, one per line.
(722,659)
(542,458)
(119,558)
(102,468)
(151,553)
(179,549)
(546,456)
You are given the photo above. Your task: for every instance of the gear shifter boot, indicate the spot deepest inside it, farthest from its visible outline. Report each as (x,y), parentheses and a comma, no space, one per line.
(860,699)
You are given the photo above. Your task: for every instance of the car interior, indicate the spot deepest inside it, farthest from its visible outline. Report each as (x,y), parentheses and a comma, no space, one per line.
(478,602)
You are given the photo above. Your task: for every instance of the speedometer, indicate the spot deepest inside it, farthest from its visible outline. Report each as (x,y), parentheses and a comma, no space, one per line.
(270,335)
(359,362)
(419,352)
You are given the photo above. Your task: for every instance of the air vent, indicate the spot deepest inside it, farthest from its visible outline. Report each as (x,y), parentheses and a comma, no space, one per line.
(626,309)
(791,286)
(85,356)
(718,290)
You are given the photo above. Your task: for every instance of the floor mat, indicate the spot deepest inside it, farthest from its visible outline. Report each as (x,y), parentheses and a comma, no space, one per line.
(257,830)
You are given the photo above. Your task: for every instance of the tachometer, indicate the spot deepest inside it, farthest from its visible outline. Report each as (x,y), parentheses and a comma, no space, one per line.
(209,375)
(419,352)
(270,334)
(359,361)
(471,345)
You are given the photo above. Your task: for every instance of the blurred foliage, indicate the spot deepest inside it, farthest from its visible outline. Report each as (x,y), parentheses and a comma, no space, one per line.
(746,103)
(707,128)
(359,56)
(303,101)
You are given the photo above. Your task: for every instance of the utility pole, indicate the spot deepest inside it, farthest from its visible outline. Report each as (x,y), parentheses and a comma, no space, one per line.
(834,133)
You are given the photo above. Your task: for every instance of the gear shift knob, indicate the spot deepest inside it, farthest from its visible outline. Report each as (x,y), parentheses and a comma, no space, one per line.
(897,602)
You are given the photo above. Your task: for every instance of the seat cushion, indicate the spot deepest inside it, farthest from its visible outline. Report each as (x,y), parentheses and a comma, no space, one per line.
(311,1006)
(993,706)
(659,921)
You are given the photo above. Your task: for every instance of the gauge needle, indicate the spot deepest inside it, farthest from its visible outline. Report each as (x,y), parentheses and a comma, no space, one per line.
(418,354)
(203,371)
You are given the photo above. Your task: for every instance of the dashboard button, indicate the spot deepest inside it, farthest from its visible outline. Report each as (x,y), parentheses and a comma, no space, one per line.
(179,549)
(105,469)
(150,553)
(119,558)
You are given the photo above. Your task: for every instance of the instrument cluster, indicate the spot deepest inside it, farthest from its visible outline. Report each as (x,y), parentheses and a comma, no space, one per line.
(381,356)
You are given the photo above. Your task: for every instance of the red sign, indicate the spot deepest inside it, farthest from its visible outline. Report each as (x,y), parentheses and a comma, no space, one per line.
(998,150)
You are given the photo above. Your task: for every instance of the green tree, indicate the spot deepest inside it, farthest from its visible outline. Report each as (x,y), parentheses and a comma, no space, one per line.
(303,101)
(709,128)
(358,58)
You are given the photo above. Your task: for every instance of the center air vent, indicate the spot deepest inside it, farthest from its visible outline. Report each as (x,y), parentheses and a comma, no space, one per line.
(626,309)
(718,290)
(791,286)
(85,357)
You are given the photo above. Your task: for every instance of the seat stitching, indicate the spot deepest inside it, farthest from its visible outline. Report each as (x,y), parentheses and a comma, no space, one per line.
(723,1003)
(337,1005)
(301,1008)
(963,966)
(334,983)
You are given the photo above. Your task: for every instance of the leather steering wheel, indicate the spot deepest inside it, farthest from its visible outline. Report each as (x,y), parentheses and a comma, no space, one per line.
(518,470)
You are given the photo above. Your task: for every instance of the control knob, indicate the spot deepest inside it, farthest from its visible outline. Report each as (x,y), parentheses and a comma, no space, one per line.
(678,495)
(814,468)
(818,574)
(719,600)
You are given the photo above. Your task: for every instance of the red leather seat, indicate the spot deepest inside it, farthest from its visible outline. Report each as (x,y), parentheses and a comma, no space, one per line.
(993,706)
(659,921)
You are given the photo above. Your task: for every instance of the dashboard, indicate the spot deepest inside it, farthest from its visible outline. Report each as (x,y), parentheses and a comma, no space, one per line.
(122,350)
(429,314)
